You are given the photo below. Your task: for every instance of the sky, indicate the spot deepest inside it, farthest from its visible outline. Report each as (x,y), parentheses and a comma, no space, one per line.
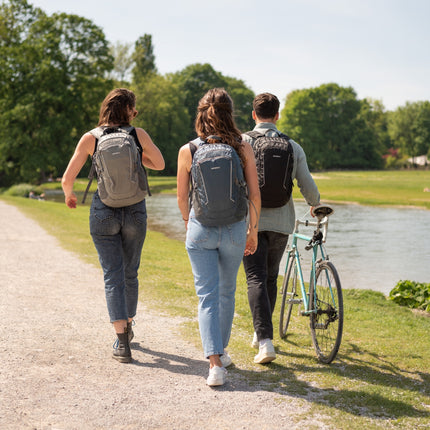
(380,48)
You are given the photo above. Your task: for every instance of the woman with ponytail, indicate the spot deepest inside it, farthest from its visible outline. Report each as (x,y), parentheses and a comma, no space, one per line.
(215,252)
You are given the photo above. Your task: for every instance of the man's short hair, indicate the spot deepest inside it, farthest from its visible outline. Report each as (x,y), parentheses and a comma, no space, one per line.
(266,105)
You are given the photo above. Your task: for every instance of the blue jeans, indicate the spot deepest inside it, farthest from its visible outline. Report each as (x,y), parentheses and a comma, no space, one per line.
(118,235)
(215,254)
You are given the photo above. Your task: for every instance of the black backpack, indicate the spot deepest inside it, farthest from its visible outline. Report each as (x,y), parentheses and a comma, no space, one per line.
(275,160)
(218,189)
(117,160)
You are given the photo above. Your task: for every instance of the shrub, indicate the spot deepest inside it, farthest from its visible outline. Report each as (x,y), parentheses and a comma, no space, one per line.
(411,294)
(22,190)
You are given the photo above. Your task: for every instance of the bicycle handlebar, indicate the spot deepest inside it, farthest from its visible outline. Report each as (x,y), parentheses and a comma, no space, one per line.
(318,224)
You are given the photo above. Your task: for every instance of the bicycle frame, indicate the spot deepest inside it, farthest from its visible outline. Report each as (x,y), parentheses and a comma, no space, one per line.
(318,255)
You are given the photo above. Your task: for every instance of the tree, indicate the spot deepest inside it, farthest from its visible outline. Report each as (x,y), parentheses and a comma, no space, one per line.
(122,64)
(242,98)
(375,116)
(51,70)
(196,79)
(143,58)
(409,128)
(162,114)
(326,121)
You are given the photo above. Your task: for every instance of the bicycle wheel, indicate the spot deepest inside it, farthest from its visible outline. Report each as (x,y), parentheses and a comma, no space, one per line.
(327,322)
(289,294)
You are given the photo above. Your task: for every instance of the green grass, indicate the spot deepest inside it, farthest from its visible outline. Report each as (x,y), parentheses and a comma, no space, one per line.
(387,188)
(380,379)
(384,188)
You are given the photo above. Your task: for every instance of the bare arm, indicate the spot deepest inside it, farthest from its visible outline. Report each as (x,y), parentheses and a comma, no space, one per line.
(84,148)
(151,155)
(254,198)
(183,181)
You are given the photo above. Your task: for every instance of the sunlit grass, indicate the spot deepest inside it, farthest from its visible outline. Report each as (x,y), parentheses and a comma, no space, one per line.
(403,188)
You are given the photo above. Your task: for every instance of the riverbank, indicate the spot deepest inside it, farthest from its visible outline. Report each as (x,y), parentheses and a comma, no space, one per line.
(60,372)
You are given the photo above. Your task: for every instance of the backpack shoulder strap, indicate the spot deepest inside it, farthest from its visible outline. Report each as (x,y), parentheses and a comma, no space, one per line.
(193,148)
(254,134)
(132,132)
(194,145)
(284,136)
(97,133)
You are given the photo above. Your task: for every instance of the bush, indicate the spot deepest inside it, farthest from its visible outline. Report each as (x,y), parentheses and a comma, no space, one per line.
(23,190)
(412,294)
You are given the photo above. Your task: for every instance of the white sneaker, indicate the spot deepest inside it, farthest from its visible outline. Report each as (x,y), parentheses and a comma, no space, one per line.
(216,376)
(266,352)
(226,359)
(255,343)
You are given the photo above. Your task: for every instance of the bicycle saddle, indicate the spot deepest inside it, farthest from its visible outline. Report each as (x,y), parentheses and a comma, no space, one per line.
(322,210)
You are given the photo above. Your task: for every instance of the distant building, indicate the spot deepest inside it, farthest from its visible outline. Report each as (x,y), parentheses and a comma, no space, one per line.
(421,160)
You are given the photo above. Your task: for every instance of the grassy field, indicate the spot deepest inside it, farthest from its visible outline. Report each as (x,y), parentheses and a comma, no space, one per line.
(381,377)
(383,188)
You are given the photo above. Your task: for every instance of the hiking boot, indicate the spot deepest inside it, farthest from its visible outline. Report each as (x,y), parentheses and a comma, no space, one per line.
(266,352)
(122,353)
(216,376)
(130,324)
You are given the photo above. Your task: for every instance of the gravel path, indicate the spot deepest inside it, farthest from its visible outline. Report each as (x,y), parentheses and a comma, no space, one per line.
(56,368)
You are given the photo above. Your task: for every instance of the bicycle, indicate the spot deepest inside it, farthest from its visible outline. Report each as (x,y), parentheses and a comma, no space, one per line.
(322,301)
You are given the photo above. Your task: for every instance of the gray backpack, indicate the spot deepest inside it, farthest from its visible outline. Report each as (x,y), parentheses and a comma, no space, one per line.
(218,188)
(117,161)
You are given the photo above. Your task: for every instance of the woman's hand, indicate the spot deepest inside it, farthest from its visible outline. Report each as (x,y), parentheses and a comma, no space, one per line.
(71,201)
(251,242)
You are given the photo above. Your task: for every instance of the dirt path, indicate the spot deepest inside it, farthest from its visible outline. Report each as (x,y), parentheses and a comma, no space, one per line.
(56,371)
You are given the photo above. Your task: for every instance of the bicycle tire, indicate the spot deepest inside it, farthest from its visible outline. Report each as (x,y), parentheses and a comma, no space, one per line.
(327,322)
(289,292)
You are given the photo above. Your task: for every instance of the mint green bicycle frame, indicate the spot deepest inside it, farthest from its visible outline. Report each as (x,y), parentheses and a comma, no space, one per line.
(322,301)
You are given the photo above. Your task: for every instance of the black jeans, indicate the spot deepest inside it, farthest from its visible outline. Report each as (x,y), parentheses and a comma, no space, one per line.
(262,270)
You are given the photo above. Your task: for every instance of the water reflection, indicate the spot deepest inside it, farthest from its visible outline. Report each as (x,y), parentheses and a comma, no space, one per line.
(371,247)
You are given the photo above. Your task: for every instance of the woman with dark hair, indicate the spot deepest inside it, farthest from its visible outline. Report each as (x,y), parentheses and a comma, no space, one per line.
(118,233)
(215,252)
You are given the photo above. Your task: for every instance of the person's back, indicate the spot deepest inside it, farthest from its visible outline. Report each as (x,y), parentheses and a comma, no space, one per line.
(276,223)
(117,227)
(216,241)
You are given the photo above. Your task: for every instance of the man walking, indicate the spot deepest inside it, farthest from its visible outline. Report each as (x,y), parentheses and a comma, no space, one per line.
(280,160)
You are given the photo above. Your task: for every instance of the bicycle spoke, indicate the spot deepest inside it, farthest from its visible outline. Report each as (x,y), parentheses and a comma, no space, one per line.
(289,296)
(326,321)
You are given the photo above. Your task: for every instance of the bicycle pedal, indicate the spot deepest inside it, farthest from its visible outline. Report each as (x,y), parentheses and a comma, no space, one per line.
(320,326)
(295,301)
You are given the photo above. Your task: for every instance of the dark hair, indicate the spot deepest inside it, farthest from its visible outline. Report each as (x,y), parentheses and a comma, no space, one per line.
(266,105)
(215,117)
(114,107)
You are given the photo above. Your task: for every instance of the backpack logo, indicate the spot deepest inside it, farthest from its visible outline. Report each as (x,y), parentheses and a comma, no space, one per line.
(275,159)
(219,192)
(117,161)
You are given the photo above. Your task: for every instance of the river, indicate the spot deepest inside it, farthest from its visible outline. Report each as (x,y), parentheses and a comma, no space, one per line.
(371,247)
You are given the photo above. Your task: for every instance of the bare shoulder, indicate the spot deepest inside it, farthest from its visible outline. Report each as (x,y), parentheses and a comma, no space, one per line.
(141,133)
(87,143)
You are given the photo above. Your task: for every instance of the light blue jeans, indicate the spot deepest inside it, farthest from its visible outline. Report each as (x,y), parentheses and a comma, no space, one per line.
(118,235)
(215,254)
